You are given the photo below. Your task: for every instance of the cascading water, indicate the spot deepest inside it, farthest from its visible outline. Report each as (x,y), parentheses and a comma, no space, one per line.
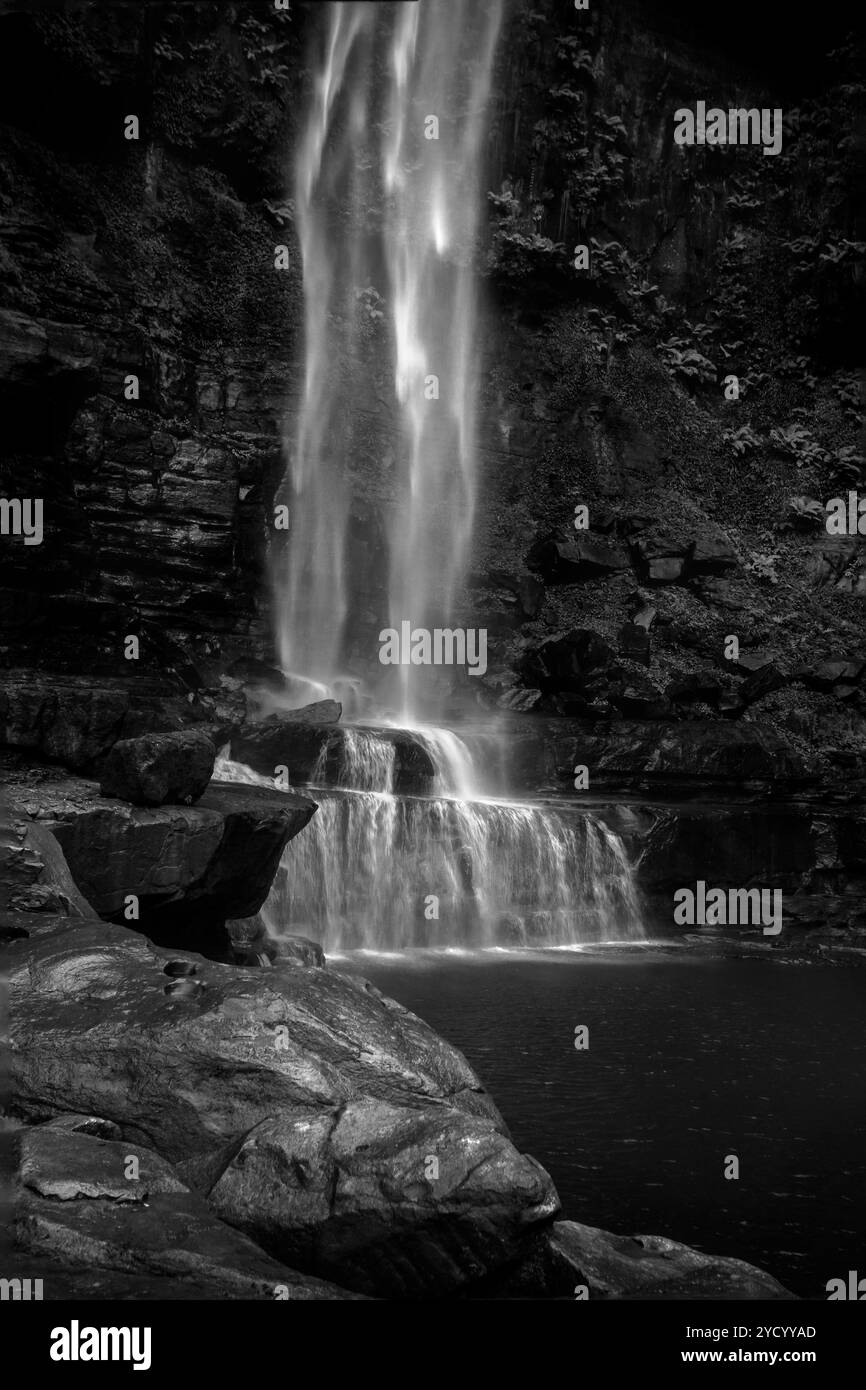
(389,187)
(380,871)
(387,204)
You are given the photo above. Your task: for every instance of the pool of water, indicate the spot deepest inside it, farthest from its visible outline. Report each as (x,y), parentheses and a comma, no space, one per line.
(689,1060)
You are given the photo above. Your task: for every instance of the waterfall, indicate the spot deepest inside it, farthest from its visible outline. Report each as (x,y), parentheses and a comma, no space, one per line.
(376,870)
(389,186)
(382,872)
(388,195)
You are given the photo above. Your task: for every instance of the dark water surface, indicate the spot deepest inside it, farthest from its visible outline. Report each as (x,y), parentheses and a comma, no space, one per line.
(690,1059)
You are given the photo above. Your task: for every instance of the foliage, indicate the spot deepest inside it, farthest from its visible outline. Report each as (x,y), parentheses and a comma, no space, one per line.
(516,257)
(797,368)
(806,510)
(609,258)
(848,464)
(685,361)
(798,443)
(762,566)
(742,440)
(371,303)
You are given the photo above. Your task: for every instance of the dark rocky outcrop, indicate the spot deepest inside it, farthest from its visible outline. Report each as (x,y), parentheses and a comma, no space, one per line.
(307,1107)
(77,720)
(579,662)
(89,1203)
(570,562)
(280,741)
(190,868)
(159,768)
(34,874)
(684,759)
(320,712)
(577,1261)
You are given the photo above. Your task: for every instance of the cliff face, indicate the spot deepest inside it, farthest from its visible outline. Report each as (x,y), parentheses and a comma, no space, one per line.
(612,388)
(155,258)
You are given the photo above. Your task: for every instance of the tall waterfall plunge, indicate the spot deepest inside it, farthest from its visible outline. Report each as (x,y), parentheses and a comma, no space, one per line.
(388,193)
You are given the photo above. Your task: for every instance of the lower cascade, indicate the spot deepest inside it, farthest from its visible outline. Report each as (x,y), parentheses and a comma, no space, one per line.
(379,871)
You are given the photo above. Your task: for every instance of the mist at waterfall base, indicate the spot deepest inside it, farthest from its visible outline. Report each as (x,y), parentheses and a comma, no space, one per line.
(688,1060)
(453,869)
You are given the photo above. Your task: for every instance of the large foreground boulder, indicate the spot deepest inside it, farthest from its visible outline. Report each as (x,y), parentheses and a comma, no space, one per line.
(159,768)
(321,1118)
(88,1204)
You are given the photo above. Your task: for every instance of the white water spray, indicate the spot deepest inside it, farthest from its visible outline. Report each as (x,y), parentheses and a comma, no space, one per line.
(375,870)
(388,194)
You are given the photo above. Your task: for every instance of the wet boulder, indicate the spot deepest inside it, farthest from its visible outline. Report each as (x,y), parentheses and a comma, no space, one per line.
(312,1113)
(157,769)
(111,1206)
(576,1260)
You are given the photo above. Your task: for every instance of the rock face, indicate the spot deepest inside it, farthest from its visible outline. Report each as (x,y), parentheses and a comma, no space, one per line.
(34,874)
(679,759)
(578,664)
(281,741)
(89,1204)
(392,1201)
(77,721)
(191,868)
(316,1115)
(582,1261)
(159,768)
(321,712)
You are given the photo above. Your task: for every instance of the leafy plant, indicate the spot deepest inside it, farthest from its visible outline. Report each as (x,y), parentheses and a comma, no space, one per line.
(608,330)
(847,390)
(806,511)
(763,567)
(609,258)
(798,443)
(371,301)
(848,464)
(643,290)
(685,361)
(570,50)
(742,441)
(516,256)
